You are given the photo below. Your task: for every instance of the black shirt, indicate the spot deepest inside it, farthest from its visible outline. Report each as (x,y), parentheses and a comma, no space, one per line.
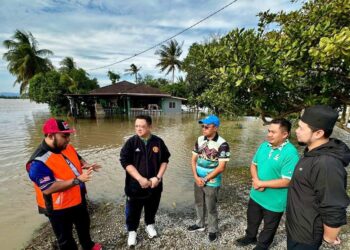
(146,158)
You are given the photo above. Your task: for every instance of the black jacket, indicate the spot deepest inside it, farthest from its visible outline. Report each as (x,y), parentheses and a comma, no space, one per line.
(146,159)
(317,192)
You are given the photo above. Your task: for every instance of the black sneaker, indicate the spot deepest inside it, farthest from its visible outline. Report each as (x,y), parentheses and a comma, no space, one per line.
(212,237)
(195,228)
(244,241)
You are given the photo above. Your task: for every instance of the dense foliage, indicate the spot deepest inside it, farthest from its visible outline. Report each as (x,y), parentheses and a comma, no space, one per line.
(304,61)
(52,86)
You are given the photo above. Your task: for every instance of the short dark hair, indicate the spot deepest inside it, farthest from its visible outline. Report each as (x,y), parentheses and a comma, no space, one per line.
(145,117)
(284,124)
(327,132)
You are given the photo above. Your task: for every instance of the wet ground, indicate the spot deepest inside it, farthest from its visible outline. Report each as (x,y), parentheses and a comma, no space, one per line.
(108,224)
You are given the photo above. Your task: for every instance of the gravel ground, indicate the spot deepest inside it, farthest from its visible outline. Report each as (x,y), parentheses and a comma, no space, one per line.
(107,224)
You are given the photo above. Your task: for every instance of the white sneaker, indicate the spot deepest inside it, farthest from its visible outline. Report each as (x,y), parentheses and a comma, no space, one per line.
(151,231)
(132,238)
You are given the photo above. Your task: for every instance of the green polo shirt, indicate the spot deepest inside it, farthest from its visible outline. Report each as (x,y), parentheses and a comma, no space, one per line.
(274,163)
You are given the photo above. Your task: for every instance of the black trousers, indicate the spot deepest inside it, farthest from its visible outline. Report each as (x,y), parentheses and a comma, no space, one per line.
(134,207)
(255,215)
(62,222)
(293,245)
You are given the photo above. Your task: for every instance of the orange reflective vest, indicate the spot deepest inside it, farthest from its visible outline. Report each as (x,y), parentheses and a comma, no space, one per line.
(62,171)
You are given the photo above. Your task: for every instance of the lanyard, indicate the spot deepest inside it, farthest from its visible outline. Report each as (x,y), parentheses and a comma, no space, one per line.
(71,165)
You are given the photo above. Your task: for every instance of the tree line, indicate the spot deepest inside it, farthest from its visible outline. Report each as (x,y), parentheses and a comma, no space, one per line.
(276,72)
(287,62)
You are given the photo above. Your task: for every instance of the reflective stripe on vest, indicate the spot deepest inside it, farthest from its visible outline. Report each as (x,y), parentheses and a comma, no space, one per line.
(61,171)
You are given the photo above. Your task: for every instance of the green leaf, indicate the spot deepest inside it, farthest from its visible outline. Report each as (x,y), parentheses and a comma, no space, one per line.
(247,69)
(239,82)
(259,77)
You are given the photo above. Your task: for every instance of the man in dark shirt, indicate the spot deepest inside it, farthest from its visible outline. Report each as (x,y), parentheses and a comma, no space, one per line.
(145,158)
(317,198)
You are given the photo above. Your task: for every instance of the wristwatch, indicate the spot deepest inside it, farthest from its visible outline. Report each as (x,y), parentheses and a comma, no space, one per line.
(205,179)
(159,179)
(76,181)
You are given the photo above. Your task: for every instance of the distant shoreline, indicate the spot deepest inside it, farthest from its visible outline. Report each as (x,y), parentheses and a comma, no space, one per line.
(10,97)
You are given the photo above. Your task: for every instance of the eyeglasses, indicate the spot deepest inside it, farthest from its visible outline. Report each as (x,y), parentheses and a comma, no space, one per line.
(141,126)
(205,127)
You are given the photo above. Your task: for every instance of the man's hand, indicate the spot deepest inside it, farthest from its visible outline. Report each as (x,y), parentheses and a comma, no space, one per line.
(86,176)
(154,182)
(199,181)
(144,183)
(256,183)
(335,242)
(94,166)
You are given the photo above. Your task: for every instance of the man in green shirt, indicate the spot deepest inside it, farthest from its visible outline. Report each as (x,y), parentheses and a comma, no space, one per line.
(271,169)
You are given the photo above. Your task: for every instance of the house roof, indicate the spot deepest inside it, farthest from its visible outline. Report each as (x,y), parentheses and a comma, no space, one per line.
(128,88)
(125,88)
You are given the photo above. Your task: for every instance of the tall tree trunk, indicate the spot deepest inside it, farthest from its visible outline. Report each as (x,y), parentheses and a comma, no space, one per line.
(263,118)
(173,75)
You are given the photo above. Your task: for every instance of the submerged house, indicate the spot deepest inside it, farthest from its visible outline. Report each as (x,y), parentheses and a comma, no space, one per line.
(124,98)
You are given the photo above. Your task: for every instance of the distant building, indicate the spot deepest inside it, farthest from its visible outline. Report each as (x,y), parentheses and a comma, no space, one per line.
(124,98)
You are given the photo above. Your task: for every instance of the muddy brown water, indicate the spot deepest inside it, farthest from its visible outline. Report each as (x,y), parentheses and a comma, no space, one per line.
(100,141)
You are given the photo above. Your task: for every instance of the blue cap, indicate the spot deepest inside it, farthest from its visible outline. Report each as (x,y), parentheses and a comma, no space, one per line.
(210,119)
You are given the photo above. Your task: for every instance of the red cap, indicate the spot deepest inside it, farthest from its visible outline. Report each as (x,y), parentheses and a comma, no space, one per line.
(53,125)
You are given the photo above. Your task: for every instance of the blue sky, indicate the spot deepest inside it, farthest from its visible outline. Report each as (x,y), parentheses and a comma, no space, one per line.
(97,33)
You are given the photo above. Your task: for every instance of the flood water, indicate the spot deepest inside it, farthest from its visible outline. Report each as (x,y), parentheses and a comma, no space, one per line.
(100,141)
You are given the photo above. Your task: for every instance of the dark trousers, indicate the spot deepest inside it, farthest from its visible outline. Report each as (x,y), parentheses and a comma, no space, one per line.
(293,245)
(255,215)
(134,207)
(62,222)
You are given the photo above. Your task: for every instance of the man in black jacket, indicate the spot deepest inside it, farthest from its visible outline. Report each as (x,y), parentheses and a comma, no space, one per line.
(317,198)
(145,158)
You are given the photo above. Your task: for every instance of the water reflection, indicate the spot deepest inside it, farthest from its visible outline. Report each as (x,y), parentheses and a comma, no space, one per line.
(17,131)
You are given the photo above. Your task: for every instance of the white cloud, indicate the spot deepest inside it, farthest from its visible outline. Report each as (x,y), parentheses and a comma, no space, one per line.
(98,33)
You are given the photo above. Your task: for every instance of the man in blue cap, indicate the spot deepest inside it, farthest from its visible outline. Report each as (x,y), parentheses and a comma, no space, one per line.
(209,157)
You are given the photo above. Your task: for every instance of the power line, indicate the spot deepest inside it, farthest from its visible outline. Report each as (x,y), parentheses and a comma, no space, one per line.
(164,41)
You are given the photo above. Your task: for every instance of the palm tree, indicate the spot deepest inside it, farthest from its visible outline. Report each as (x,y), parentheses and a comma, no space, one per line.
(67,67)
(68,64)
(114,77)
(133,70)
(169,57)
(25,59)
